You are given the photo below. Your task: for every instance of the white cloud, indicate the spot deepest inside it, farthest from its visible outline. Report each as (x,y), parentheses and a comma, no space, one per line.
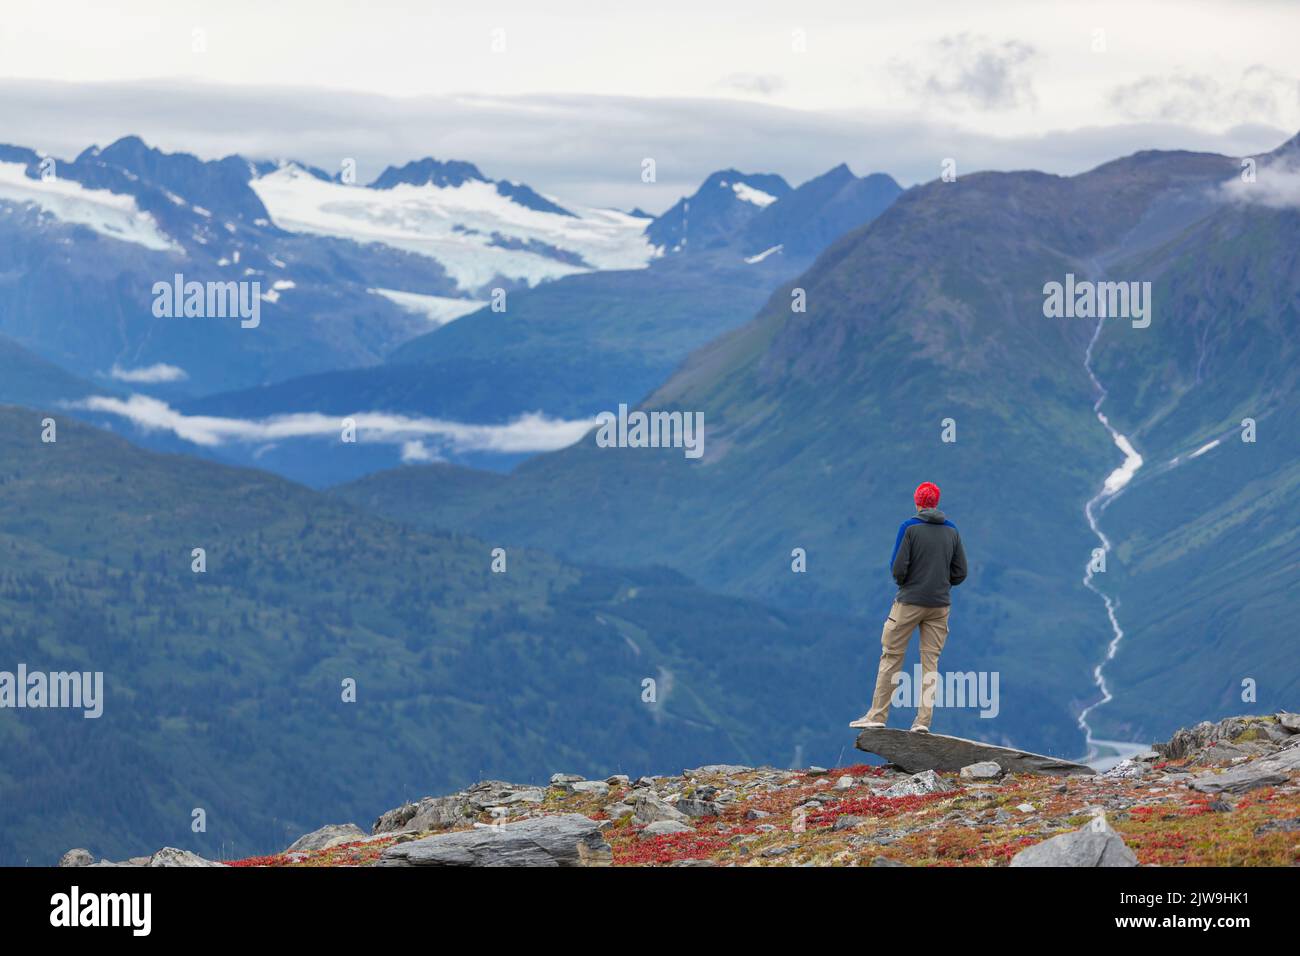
(149,374)
(528,433)
(972,70)
(1276,185)
(1259,94)
(602,138)
(753,84)
(417,452)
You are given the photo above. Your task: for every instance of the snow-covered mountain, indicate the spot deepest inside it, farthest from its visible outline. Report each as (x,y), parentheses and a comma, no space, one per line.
(717,212)
(344,273)
(602,304)
(481,231)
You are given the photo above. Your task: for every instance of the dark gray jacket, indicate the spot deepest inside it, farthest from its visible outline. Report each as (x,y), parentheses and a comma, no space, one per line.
(928,559)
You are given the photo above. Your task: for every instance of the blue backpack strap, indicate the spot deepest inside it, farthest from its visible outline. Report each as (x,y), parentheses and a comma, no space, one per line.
(902,530)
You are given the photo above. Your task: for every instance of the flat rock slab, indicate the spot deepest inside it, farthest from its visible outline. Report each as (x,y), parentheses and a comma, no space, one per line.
(1272,771)
(569,839)
(918,752)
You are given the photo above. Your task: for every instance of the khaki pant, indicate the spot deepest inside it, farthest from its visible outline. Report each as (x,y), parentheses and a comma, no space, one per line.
(903,620)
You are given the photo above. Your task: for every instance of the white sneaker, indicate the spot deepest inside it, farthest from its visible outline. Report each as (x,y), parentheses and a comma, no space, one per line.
(920,729)
(866,724)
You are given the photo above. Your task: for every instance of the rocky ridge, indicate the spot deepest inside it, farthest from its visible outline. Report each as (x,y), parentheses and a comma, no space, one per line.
(1225,793)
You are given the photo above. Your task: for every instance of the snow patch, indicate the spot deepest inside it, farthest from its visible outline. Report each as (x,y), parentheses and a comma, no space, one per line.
(110,214)
(751,195)
(460,227)
(764,254)
(438,309)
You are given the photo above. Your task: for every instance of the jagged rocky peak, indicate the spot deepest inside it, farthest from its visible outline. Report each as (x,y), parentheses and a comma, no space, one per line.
(429,172)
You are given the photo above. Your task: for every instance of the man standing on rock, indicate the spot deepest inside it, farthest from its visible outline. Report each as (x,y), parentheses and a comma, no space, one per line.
(928,561)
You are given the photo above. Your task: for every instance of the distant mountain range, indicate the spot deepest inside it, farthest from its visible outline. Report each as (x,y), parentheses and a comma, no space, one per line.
(375,299)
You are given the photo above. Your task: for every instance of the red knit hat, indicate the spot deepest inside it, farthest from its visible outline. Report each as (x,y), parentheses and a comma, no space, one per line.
(927,495)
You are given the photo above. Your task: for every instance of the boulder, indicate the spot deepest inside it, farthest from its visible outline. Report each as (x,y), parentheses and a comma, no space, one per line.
(568,839)
(1269,771)
(1127,769)
(662,827)
(918,752)
(1288,721)
(726,769)
(698,808)
(77,857)
(918,784)
(984,770)
(1222,742)
(527,795)
(327,836)
(1094,845)
(650,807)
(432,812)
(590,788)
(170,856)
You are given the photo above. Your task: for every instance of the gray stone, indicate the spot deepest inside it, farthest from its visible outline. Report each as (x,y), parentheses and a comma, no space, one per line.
(726,769)
(77,857)
(918,784)
(847,822)
(170,856)
(984,770)
(662,827)
(568,839)
(756,814)
(1221,743)
(1093,845)
(885,861)
(596,788)
(1128,769)
(917,752)
(433,812)
(1289,721)
(649,808)
(1279,826)
(1268,771)
(619,810)
(619,780)
(844,783)
(698,808)
(527,795)
(326,837)
(559,779)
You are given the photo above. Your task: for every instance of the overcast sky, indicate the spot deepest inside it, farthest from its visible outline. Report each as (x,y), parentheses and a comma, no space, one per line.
(571,96)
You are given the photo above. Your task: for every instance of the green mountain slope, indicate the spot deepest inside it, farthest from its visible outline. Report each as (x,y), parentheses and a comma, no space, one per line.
(223,689)
(820,423)
(26,377)
(1207,557)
